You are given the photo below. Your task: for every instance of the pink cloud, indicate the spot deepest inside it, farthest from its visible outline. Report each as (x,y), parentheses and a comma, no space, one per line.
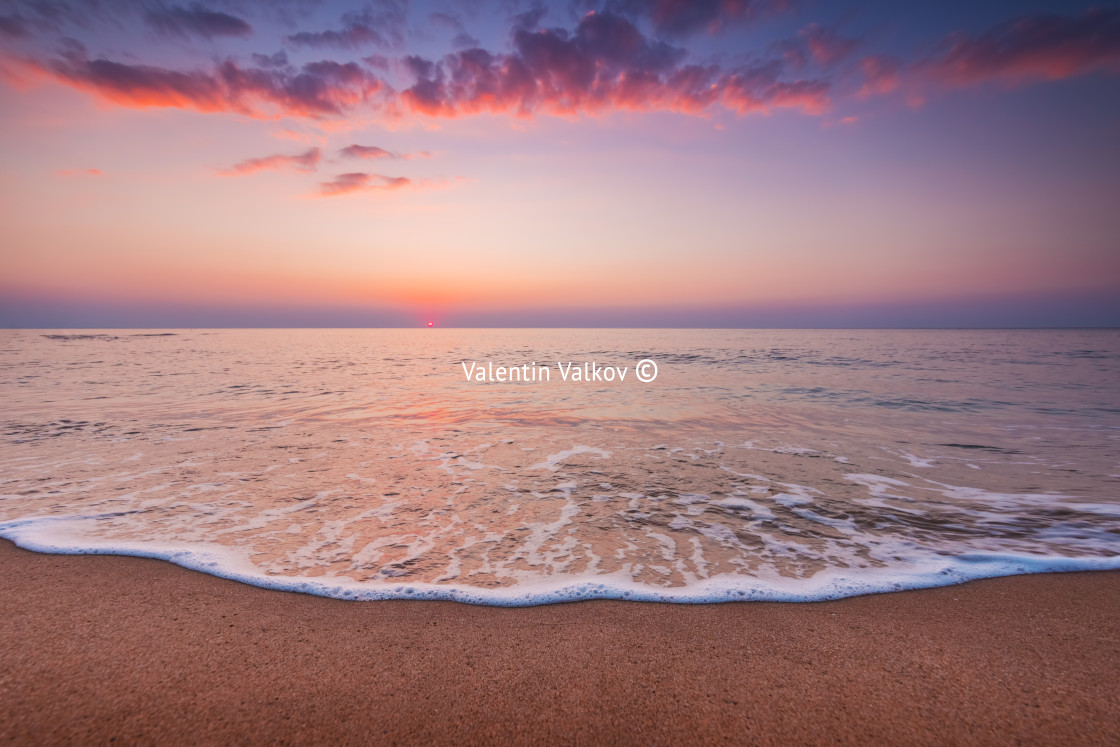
(361,182)
(881,75)
(306,161)
(344,184)
(374,152)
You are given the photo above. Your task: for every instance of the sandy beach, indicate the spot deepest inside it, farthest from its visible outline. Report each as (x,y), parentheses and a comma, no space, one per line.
(100,649)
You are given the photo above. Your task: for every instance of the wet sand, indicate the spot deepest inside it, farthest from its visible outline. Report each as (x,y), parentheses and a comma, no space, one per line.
(98,649)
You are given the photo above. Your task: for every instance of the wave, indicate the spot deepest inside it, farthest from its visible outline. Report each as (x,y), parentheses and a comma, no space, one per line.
(829,584)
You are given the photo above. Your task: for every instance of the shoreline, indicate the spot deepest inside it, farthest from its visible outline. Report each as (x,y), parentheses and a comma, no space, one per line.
(98,647)
(829,586)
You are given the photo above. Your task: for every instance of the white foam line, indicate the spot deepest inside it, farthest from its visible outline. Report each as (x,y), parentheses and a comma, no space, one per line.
(231,563)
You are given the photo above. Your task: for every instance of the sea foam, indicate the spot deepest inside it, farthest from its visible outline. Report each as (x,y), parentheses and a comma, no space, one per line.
(227,563)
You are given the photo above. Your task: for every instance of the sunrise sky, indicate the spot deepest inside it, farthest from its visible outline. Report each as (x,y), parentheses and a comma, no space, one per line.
(625,162)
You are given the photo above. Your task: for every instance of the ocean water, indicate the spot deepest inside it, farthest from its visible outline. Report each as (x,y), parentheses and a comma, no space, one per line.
(364,464)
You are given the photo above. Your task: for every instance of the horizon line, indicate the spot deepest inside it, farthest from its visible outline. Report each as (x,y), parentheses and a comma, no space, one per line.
(730,329)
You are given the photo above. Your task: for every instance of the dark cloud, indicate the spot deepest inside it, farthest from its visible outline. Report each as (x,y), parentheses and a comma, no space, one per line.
(1036,47)
(197,21)
(606,63)
(818,45)
(381,26)
(678,18)
(13,25)
(448,20)
(464,41)
(530,20)
(350,37)
(452,22)
(316,89)
(827,47)
(306,161)
(211,18)
(419,66)
(28,16)
(360,182)
(379,61)
(1040,47)
(279,59)
(365,151)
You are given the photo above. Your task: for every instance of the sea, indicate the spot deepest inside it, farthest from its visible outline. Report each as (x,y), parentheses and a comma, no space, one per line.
(755,465)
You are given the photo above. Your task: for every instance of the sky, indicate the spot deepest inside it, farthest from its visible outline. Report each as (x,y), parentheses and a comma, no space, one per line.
(639,163)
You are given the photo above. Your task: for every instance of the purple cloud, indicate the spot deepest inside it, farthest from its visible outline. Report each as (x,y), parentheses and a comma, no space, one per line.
(382,26)
(606,64)
(196,20)
(316,89)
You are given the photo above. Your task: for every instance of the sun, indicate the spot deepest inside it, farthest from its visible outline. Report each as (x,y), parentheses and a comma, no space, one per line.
(431,324)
